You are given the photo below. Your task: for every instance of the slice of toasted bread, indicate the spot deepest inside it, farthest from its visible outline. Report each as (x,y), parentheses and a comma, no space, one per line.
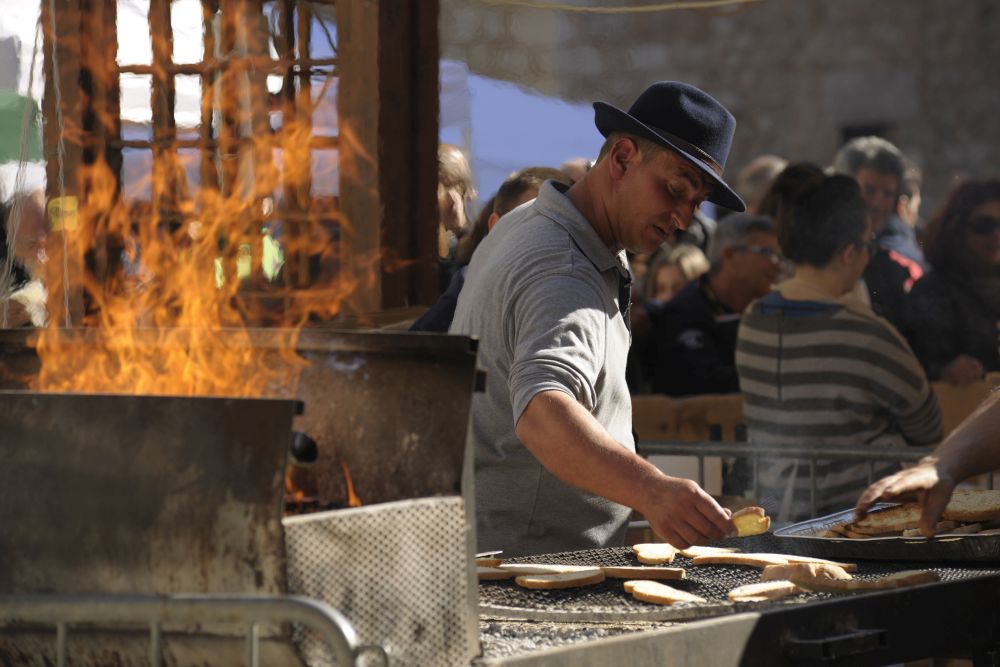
(586,577)
(694,552)
(896,580)
(785,572)
(847,567)
(517,569)
(765,590)
(657,593)
(763,560)
(654,553)
(493,573)
(892,519)
(640,572)
(751,521)
(488,562)
(752,560)
(973,505)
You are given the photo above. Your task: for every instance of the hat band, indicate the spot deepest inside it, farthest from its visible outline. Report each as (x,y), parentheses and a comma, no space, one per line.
(685,145)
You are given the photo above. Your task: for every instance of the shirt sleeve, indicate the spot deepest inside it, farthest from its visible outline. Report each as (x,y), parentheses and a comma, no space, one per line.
(557,332)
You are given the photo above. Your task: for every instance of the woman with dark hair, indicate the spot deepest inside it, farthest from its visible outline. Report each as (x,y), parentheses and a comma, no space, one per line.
(953,311)
(817,366)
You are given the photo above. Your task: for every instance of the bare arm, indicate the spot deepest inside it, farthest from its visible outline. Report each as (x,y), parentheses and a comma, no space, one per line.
(971,449)
(574,447)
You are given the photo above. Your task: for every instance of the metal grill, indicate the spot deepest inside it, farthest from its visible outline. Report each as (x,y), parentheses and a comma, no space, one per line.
(397,571)
(608,600)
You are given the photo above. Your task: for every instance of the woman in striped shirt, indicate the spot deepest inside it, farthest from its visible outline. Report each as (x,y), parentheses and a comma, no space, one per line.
(817,367)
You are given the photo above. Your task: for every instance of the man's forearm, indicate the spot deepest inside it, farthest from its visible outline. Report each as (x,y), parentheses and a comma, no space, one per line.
(574,447)
(974,447)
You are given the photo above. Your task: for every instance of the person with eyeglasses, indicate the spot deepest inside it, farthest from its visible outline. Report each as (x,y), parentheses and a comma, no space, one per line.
(953,312)
(818,366)
(694,334)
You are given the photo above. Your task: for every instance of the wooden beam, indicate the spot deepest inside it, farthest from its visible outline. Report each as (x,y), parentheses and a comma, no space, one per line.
(63,139)
(388,114)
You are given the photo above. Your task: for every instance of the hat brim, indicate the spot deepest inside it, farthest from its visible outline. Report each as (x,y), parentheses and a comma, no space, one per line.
(612,119)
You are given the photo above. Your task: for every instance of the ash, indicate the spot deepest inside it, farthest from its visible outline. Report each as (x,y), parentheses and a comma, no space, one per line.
(502,639)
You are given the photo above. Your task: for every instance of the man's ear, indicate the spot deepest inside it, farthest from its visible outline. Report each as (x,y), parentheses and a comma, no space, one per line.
(848,253)
(492,220)
(623,154)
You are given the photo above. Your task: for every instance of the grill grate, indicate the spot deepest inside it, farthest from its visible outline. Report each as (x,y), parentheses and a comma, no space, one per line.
(608,600)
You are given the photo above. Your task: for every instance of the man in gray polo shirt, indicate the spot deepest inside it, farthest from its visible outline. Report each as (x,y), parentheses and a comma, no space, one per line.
(547,295)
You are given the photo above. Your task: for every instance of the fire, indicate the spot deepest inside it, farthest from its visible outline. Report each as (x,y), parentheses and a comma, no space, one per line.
(352,498)
(169,289)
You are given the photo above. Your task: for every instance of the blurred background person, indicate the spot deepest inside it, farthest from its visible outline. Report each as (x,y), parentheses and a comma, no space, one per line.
(23,235)
(694,334)
(818,366)
(755,179)
(670,270)
(897,261)
(576,168)
(908,208)
(519,188)
(953,312)
(455,192)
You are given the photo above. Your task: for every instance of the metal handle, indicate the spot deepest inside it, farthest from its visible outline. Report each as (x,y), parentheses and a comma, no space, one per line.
(832,648)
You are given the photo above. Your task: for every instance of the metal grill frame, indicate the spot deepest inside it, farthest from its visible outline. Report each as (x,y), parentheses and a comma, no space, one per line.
(249,611)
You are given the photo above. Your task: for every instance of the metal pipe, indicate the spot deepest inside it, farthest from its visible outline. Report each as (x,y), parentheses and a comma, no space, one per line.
(155,645)
(812,485)
(61,610)
(61,644)
(739,449)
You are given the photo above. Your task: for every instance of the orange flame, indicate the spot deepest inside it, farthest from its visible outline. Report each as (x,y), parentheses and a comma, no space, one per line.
(166,292)
(352,498)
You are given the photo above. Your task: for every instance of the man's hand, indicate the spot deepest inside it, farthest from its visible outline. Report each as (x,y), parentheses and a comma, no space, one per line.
(962,370)
(927,481)
(574,447)
(683,514)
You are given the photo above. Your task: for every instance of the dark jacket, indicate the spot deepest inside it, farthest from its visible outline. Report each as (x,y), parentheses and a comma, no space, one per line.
(694,337)
(439,316)
(889,277)
(945,318)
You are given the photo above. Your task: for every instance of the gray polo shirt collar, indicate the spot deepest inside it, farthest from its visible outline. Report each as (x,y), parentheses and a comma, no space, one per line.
(553,203)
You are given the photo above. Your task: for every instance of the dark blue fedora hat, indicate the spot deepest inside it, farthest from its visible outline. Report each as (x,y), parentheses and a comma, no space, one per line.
(684,119)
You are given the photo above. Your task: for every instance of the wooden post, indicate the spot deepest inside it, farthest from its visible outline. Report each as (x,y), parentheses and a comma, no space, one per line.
(63,140)
(388,114)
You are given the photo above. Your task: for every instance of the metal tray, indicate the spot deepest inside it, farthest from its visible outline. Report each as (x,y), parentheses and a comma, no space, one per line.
(802,539)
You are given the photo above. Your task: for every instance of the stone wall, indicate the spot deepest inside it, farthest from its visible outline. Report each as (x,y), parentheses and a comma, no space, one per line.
(799,75)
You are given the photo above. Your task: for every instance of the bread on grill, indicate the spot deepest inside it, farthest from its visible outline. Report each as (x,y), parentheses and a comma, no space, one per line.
(641,572)
(695,551)
(586,577)
(896,580)
(654,553)
(765,590)
(657,593)
(786,572)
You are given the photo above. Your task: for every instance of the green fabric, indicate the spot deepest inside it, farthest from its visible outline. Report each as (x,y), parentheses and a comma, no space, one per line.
(12,110)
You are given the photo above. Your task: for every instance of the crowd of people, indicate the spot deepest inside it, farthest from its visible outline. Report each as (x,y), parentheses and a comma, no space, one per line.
(816,291)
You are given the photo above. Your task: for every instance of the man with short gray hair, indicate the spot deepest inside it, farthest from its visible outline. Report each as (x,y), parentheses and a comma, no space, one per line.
(694,335)
(878,167)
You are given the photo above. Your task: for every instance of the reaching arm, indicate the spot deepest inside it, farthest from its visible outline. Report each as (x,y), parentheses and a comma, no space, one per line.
(973,448)
(574,447)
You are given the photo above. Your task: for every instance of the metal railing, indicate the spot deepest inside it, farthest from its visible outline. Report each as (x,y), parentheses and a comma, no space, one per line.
(752,452)
(250,611)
